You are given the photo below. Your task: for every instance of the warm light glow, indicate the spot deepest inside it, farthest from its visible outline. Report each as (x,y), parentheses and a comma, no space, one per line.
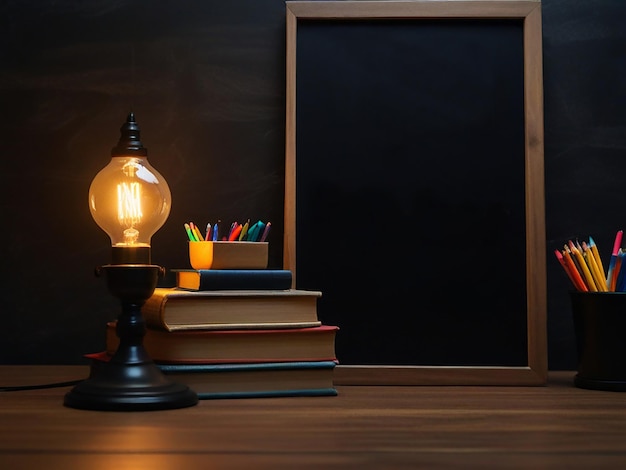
(129,199)
(129,209)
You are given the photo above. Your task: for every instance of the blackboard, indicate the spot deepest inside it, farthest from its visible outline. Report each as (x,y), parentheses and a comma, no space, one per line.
(414,187)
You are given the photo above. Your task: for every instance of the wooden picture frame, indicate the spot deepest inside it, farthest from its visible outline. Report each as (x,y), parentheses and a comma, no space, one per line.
(534,372)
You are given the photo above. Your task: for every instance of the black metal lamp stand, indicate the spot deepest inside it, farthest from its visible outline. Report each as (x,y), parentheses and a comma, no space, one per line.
(130,380)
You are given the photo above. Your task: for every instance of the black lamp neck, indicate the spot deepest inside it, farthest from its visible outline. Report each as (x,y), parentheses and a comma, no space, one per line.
(129,143)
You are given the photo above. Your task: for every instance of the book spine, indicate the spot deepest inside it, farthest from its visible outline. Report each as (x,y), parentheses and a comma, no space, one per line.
(153,311)
(245,279)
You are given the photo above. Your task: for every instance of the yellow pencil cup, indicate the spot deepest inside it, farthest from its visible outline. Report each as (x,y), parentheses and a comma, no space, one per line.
(201,254)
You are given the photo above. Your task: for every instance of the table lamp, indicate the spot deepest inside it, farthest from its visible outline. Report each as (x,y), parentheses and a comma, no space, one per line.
(130,201)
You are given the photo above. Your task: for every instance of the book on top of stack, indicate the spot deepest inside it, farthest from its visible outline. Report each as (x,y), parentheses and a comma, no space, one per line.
(233,279)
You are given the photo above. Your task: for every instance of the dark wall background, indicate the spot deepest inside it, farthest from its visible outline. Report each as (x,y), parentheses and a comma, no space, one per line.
(206,82)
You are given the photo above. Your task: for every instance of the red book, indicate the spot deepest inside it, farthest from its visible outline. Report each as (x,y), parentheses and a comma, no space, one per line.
(236,346)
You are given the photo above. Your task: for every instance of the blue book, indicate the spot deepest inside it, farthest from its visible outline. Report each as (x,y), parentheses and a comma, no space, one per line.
(260,380)
(233,279)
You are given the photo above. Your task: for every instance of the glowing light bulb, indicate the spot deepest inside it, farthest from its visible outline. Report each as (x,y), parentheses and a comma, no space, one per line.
(129,199)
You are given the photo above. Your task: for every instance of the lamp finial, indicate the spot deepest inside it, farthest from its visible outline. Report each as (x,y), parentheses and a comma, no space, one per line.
(129,143)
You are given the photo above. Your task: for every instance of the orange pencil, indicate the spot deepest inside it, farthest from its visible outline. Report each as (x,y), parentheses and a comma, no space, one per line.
(234,234)
(583,266)
(578,280)
(559,257)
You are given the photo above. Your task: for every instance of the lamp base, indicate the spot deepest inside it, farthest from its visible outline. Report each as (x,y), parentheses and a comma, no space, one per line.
(130,380)
(115,386)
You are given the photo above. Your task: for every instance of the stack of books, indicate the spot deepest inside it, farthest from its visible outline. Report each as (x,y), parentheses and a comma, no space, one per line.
(237,334)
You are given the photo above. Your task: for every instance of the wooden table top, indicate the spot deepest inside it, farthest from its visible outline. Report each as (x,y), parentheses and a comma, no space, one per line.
(557,426)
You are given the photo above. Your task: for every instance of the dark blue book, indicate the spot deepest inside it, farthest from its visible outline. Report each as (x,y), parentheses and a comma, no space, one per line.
(233,279)
(255,380)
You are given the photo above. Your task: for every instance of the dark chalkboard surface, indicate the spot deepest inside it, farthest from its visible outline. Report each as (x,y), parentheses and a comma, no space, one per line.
(414,189)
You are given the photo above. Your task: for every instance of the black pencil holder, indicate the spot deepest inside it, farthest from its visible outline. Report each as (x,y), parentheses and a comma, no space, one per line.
(600,328)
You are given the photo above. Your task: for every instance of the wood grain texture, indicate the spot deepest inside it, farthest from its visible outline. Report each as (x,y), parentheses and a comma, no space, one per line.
(557,426)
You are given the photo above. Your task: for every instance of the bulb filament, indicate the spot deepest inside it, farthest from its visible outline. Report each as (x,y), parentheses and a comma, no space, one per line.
(129,209)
